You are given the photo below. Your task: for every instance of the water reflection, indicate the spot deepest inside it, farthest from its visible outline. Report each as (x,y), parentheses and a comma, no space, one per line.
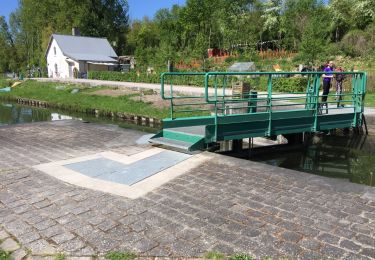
(15,114)
(333,156)
(11,114)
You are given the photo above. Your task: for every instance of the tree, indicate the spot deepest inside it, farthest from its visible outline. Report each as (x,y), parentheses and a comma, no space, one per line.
(35,21)
(342,19)
(6,46)
(313,42)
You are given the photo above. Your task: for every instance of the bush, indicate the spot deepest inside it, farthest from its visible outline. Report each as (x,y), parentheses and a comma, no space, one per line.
(144,78)
(293,84)
(126,77)
(297,84)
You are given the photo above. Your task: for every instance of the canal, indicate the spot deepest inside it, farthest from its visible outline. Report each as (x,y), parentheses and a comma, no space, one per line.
(337,155)
(12,113)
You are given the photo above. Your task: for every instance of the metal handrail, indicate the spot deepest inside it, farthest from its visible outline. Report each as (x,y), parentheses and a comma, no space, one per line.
(219,102)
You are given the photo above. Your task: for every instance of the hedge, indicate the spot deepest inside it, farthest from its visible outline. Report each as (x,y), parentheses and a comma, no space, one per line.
(280,84)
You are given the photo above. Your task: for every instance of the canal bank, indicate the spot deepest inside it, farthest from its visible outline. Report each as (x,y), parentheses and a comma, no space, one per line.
(222,204)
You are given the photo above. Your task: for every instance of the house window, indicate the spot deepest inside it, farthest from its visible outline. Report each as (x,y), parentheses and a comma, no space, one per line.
(56,70)
(54,51)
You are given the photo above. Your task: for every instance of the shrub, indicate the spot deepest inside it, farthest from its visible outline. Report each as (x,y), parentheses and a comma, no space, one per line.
(296,84)
(293,84)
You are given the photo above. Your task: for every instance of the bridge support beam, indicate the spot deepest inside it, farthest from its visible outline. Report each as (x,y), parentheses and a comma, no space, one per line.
(237,145)
(297,138)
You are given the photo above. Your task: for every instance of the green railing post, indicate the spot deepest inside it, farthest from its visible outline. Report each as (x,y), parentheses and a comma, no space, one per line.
(317,106)
(308,104)
(269,104)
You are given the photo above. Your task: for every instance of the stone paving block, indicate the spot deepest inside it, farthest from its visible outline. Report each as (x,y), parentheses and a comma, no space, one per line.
(17,227)
(66,219)
(370,252)
(328,238)
(9,245)
(311,255)
(63,237)
(366,240)
(42,204)
(310,244)
(184,249)
(18,254)
(86,251)
(28,237)
(44,224)
(52,231)
(41,247)
(347,244)
(291,249)
(72,245)
(250,232)
(3,234)
(107,224)
(144,245)
(346,233)
(291,236)
(332,251)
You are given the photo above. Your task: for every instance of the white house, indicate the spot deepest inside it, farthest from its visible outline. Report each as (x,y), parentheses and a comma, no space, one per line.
(72,56)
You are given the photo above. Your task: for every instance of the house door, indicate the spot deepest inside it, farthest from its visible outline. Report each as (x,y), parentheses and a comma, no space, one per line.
(71,67)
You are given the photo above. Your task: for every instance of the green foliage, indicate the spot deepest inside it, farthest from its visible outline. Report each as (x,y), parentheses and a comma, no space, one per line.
(34,21)
(280,84)
(144,77)
(241,257)
(314,41)
(60,257)
(125,76)
(120,256)
(184,33)
(294,84)
(214,256)
(4,255)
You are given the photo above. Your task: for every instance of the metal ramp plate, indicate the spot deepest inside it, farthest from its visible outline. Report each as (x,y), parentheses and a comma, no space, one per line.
(192,130)
(172,143)
(110,170)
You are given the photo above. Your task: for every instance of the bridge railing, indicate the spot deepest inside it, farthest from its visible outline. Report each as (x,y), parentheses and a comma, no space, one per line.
(214,96)
(269,101)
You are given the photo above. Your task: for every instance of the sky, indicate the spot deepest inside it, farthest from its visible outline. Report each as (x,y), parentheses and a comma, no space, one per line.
(137,8)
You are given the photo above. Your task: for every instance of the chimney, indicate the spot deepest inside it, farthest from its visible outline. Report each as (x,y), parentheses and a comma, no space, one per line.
(75,31)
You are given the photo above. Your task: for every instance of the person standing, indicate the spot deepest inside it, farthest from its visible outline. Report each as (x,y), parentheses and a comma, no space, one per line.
(339,81)
(327,78)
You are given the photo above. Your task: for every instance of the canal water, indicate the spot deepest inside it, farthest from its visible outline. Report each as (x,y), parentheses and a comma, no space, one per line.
(336,156)
(11,113)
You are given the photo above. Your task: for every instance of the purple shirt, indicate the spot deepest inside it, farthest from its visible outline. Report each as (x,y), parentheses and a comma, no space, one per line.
(328,69)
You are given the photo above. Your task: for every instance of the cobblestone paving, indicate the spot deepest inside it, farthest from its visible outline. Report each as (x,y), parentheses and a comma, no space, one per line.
(231,206)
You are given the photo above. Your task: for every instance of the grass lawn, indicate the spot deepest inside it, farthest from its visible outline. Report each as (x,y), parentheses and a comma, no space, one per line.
(370,100)
(60,96)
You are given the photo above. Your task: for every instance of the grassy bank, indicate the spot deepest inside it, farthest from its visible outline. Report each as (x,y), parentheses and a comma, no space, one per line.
(60,96)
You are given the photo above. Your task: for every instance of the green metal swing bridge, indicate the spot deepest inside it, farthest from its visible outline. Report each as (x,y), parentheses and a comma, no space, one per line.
(219,114)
